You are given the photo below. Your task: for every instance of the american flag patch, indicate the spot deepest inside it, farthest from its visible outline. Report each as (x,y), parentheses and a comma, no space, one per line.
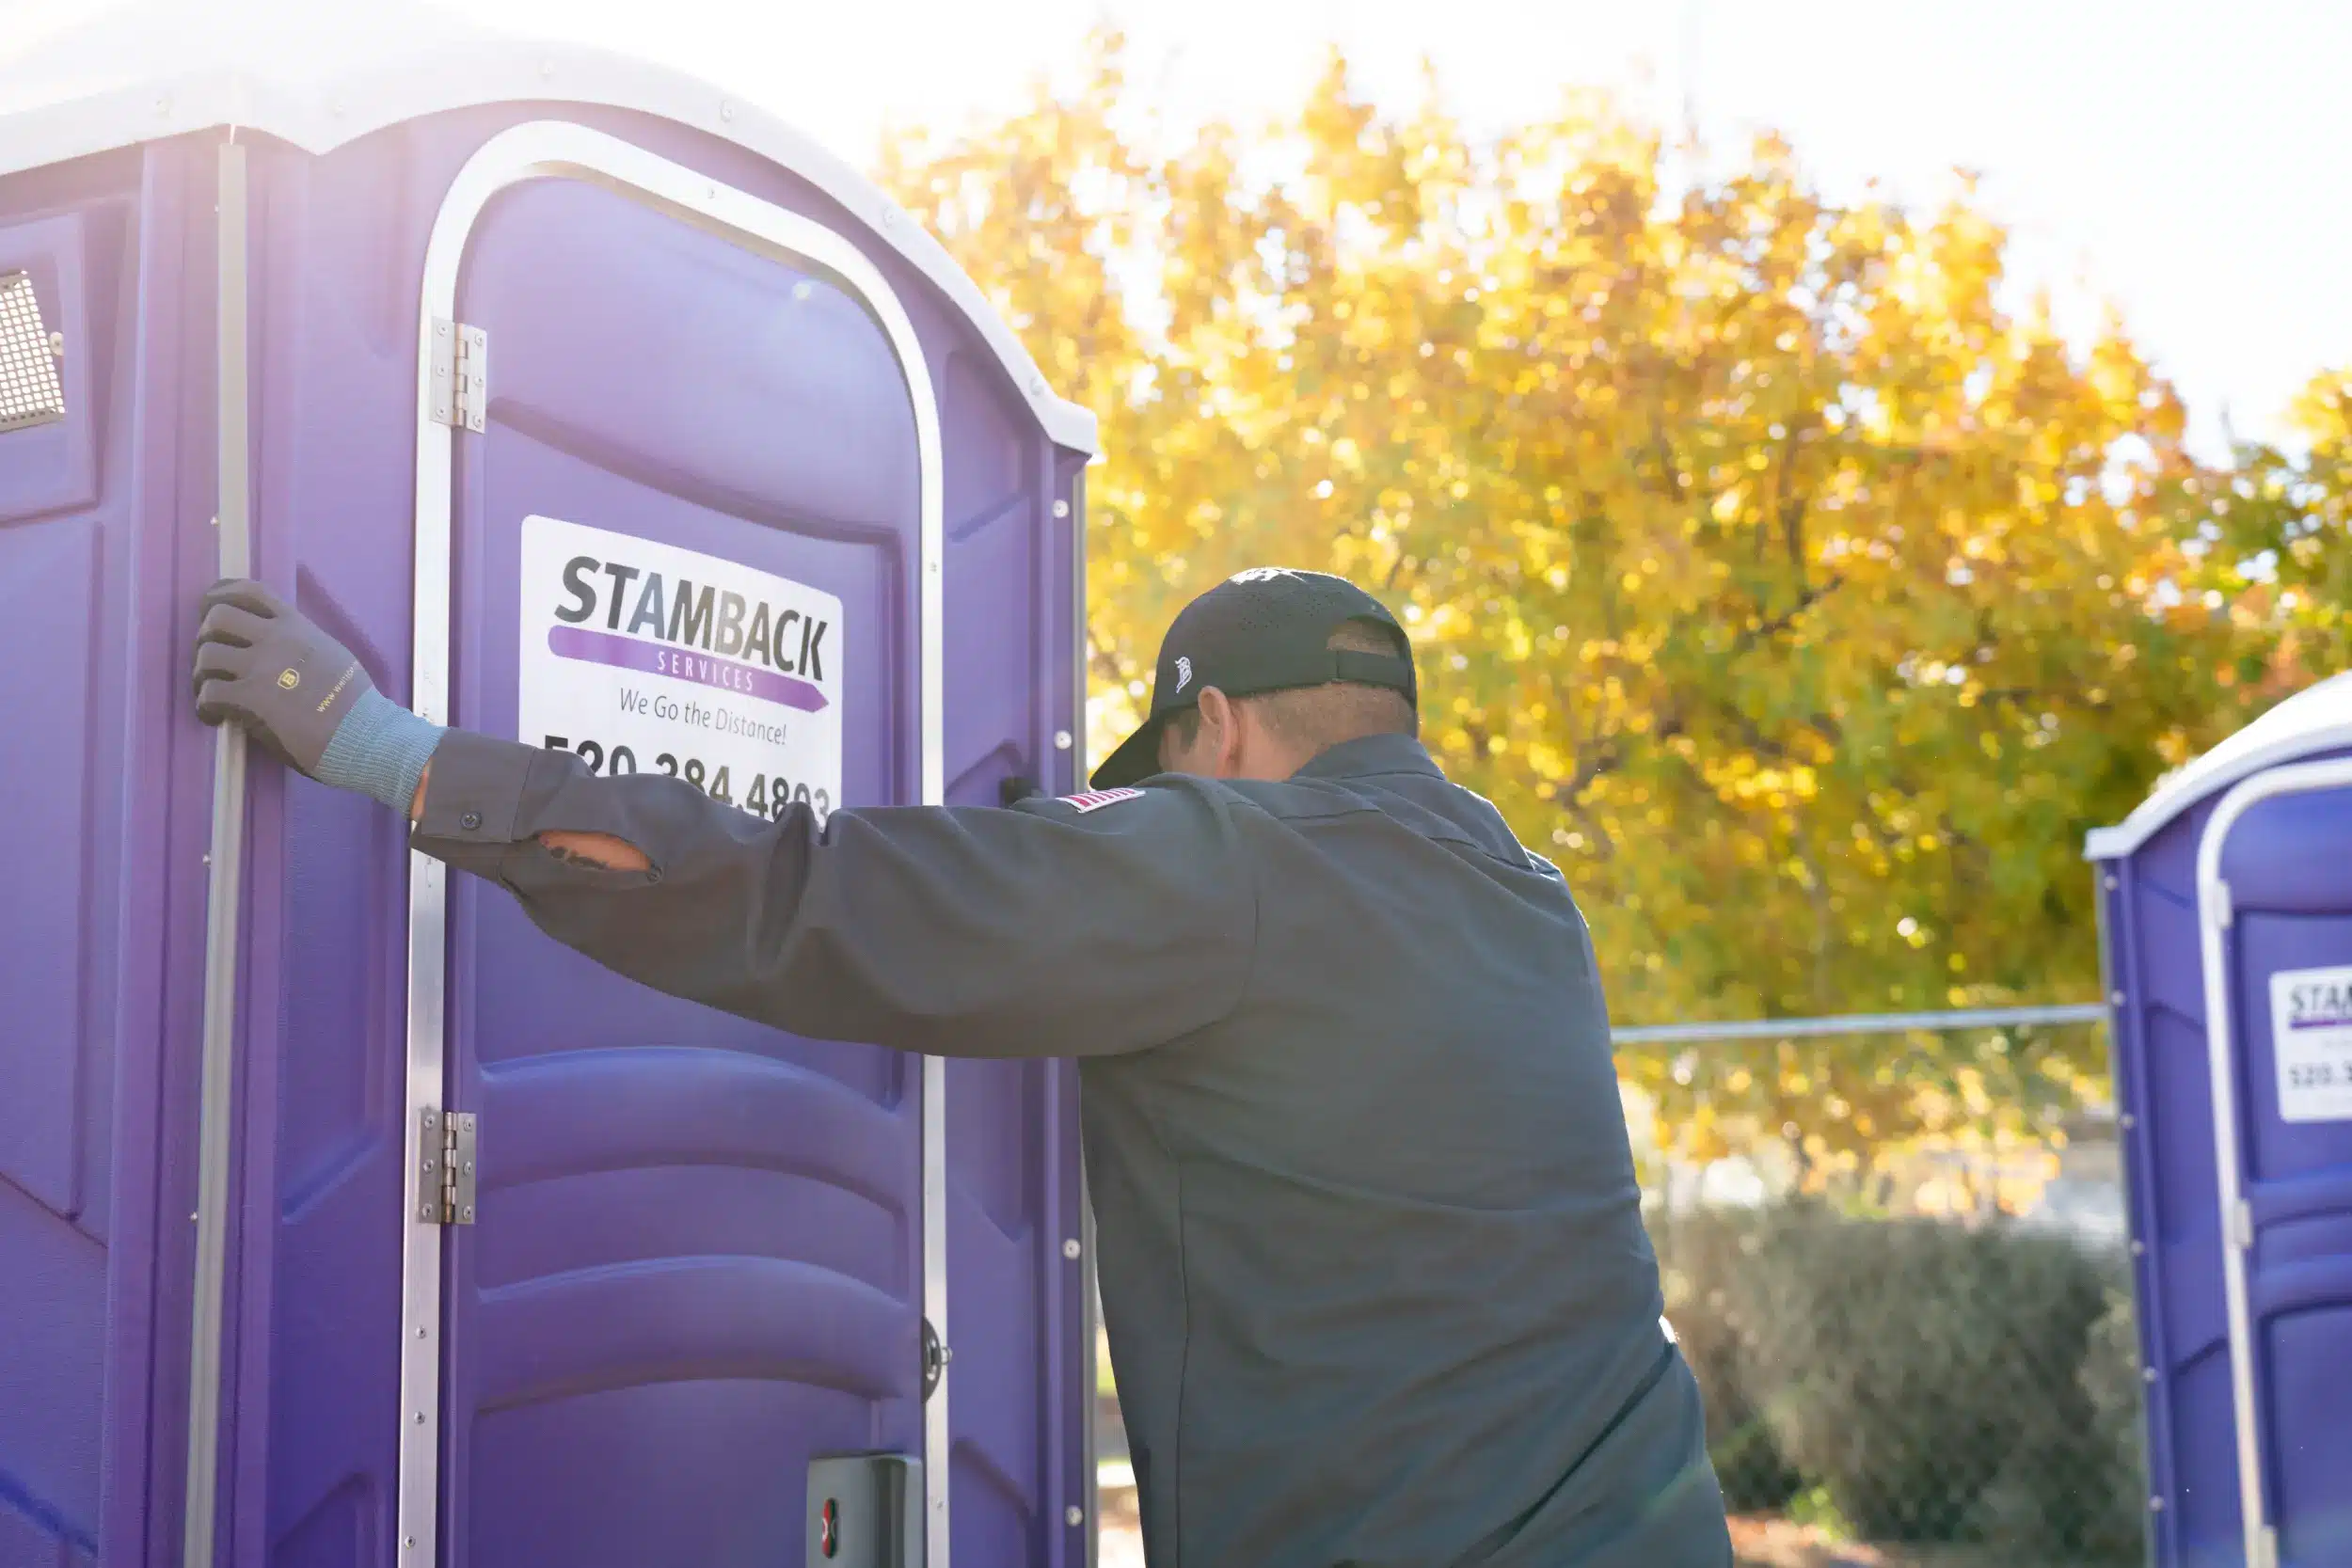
(1095,799)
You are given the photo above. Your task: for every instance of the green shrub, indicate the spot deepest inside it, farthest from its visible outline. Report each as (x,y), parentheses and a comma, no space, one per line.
(1932,1381)
(1707,1263)
(2073,1483)
(2115,1518)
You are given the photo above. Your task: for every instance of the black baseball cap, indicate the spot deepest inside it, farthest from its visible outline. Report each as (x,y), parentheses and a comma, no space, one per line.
(1267,629)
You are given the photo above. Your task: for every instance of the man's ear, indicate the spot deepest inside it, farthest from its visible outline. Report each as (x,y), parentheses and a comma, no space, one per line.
(1220,731)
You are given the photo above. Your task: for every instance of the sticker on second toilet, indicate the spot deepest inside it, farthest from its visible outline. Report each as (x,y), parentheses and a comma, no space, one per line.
(2310,1035)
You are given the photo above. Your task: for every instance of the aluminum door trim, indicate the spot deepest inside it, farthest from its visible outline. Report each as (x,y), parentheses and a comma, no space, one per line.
(223,898)
(1090,1490)
(2214,916)
(559,150)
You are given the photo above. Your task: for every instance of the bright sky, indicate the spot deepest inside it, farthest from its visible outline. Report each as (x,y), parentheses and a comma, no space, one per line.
(2187,161)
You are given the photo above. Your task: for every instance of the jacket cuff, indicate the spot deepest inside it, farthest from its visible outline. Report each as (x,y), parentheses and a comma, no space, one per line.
(473,798)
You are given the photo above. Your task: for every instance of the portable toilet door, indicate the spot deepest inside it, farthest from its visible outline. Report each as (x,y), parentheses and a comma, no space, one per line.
(2226,905)
(593,407)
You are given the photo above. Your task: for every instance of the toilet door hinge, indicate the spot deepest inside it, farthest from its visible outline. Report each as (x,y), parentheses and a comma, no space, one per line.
(461,375)
(445,1162)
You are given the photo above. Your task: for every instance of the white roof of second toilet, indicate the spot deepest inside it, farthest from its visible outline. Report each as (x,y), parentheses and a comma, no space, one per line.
(2316,718)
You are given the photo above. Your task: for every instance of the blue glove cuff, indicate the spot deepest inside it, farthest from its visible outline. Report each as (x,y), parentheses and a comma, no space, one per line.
(379,750)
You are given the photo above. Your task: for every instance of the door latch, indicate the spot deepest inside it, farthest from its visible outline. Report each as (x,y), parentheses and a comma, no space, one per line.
(445,1161)
(936,1355)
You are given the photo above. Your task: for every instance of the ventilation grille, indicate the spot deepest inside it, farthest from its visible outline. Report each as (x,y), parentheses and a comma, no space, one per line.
(31,392)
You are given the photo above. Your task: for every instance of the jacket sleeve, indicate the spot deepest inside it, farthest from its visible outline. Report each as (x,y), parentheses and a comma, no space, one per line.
(1039,930)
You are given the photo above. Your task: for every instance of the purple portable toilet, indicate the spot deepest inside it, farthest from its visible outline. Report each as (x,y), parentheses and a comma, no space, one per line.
(343,1218)
(2226,908)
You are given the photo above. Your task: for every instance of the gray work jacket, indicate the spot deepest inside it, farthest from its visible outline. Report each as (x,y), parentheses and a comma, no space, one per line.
(1372,1260)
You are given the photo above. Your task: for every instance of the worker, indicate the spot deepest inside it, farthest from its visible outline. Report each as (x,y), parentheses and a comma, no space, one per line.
(1373,1264)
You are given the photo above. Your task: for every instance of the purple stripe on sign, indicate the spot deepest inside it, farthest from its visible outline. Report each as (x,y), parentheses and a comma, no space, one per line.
(685,664)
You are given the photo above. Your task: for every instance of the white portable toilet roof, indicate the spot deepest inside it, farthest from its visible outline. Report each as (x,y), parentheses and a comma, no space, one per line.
(2317,719)
(318,73)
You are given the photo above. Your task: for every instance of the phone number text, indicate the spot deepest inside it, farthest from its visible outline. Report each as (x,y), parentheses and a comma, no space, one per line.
(769,794)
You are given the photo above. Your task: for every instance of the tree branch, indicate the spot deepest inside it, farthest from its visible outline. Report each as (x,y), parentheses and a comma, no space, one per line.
(1604,759)
(1792,500)
(1102,661)
(1671,470)
(1786,618)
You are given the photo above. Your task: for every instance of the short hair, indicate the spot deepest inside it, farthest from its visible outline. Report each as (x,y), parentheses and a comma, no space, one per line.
(1318,718)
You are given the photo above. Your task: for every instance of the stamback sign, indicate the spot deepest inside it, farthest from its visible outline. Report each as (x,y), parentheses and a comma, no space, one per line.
(643,658)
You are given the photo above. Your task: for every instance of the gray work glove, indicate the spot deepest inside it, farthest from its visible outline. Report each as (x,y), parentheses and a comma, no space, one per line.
(262,663)
(302,696)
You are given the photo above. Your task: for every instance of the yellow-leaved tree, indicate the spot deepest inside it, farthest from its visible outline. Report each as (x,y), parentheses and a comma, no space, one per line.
(2272,536)
(1798,598)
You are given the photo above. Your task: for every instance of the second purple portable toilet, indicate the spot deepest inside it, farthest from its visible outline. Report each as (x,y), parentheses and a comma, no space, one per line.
(591,407)
(2226,904)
